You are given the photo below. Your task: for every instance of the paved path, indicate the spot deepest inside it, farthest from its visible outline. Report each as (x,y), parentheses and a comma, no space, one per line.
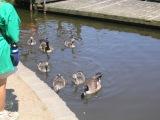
(25,101)
(132,11)
(33,99)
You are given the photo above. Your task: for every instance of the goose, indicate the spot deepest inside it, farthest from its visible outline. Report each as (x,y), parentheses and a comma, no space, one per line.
(58,83)
(70,43)
(31,41)
(43,66)
(78,78)
(45,47)
(92,85)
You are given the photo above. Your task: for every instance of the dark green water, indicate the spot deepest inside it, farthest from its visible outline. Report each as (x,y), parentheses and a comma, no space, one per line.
(127,56)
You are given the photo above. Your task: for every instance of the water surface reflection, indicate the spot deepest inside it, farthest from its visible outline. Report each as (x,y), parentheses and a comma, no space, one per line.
(127,56)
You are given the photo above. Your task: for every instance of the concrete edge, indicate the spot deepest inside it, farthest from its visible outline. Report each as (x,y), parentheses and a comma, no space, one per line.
(104,16)
(55,105)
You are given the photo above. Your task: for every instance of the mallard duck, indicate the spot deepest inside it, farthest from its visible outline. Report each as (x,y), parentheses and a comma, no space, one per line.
(78,78)
(45,47)
(92,85)
(43,66)
(31,41)
(58,83)
(70,43)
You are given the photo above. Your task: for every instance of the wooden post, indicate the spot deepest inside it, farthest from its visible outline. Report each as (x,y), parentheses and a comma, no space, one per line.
(31,5)
(44,6)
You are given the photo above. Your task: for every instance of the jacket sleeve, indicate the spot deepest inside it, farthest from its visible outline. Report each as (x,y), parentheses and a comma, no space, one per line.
(12,25)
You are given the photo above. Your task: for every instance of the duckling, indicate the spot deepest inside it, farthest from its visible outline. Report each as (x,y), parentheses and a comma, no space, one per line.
(92,85)
(58,83)
(78,78)
(45,47)
(31,41)
(43,66)
(70,43)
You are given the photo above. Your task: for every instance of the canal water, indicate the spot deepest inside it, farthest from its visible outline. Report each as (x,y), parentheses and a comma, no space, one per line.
(128,57)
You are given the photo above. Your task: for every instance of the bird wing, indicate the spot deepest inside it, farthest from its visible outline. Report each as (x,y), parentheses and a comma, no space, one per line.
(92,84)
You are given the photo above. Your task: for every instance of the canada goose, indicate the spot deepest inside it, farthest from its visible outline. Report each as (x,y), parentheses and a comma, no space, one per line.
(31,41)
(70,43)
(58,83)
(43,66)
(92,85)
(45,47)
(78,78)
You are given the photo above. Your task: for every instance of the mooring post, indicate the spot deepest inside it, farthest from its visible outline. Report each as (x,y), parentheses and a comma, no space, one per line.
(31,5)
(44,6)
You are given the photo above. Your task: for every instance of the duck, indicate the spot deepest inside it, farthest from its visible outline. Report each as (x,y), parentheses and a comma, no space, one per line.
(43,66)
(58,83)
(45,47)
(78,78)
(70,43)
(93,85)
(31,41)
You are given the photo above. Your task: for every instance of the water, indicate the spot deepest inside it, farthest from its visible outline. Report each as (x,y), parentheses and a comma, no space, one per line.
(127,56)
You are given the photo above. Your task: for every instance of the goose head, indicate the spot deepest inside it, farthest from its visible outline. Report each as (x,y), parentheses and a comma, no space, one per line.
(86,88)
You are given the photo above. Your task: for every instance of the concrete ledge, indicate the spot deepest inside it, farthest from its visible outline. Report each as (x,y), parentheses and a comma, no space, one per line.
(22,99)
(56,106)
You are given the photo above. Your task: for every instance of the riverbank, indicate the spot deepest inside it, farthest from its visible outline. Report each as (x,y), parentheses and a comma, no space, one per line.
(33,99)
(129,11)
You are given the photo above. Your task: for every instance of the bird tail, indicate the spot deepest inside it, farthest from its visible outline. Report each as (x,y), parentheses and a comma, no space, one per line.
(98,75)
